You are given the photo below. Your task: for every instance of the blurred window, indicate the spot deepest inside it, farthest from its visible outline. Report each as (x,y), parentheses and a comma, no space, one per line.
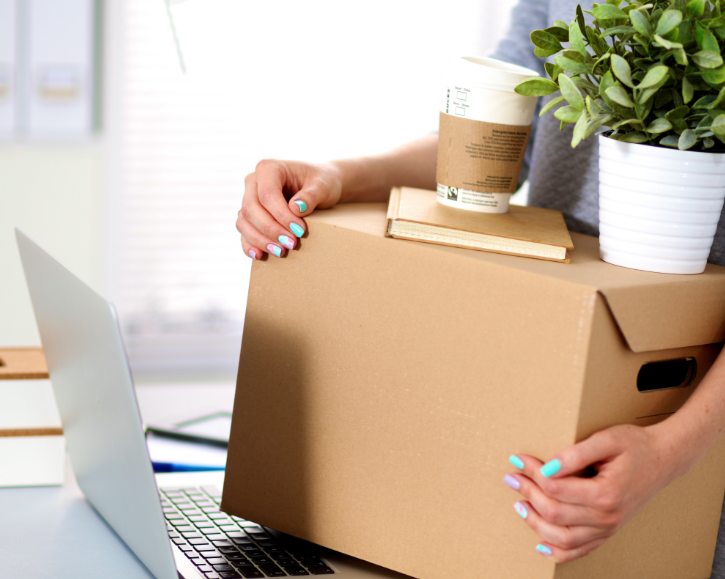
(310,80)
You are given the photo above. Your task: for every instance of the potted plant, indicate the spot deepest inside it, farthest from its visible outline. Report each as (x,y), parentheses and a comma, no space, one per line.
(652,75)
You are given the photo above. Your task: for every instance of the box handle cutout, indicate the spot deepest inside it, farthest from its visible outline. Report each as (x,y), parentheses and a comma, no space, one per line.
(2,363)
(667,374)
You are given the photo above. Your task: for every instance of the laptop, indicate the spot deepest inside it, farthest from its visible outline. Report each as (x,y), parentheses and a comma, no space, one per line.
(172,522)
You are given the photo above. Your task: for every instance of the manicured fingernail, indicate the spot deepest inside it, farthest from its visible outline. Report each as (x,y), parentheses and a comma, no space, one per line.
(512,482)
(551,468)
(302,205)
(521,510)
(296,229)
(252,254)
(543,549)
(275,250)
(286,241)
(516,461)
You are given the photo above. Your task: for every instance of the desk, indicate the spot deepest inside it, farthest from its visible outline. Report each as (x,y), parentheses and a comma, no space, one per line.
(53,532)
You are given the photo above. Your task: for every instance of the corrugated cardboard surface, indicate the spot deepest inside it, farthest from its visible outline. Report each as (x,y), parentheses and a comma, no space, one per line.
(383,385)
(22,363)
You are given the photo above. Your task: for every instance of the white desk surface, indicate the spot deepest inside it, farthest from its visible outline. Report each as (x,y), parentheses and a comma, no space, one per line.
(53,532)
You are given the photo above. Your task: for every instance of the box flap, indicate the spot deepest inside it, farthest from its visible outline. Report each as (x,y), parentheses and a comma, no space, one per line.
(654,311)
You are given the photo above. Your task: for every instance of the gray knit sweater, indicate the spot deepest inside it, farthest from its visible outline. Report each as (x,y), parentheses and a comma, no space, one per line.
(564,178)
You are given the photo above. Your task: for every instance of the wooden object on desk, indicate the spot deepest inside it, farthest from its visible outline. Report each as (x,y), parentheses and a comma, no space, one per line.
(31,436)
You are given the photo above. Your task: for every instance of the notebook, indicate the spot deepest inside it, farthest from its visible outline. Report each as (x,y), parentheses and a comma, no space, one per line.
(415,214)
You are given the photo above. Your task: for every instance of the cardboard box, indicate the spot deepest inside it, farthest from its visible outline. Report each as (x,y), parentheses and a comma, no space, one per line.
(32,445)
(383,385)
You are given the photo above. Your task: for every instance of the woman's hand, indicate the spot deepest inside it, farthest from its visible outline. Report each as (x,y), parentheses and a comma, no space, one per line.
(276,197)
(573,514)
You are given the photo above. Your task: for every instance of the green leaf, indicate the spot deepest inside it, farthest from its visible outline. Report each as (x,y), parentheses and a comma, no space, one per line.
(687,139)
(545,40)
(707,59)
(714,75)
(621,70)
(600,60)
(646,94)
(568,114)
(718,100)
(695,8)
(576,40)
(583,84)
(571,66)
(634,138)
(608,12)
(680,57)
(620,96)
(543,53)
(687,91)
(595,123)
(640,23)
(618,30)
(552,70)
(561,34)
(678,113)
(536,87)
(654,76)
(626,122)
(606,82)
(580,18)
(705,102)
(659,126)
(562,24)
(570,92)
(663,97)
(718,125)
(709,143)
(664,43)
(709,42)
(579,129)
(669,20)
(551,104)
(670,141)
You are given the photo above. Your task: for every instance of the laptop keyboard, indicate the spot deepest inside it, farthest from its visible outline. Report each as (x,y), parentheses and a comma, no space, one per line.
(222,546)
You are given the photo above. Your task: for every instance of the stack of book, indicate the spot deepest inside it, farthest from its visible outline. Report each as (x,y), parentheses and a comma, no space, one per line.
(32,445)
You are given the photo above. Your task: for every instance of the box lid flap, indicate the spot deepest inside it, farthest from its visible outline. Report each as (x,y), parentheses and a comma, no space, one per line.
(654,311)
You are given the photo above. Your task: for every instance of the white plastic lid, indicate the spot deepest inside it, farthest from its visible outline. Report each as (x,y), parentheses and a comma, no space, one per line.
(488,72)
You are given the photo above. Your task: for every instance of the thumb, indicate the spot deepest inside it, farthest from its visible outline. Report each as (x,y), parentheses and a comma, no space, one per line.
(599,447)
(319,190)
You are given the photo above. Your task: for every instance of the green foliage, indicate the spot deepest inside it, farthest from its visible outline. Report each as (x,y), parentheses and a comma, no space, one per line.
(651,71)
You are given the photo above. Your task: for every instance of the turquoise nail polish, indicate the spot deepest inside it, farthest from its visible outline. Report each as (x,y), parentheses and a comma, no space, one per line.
(521,510)
(516,461)
(302,205)
(296,229)
(551,468)
(543,549)
(286,241)
(273,249)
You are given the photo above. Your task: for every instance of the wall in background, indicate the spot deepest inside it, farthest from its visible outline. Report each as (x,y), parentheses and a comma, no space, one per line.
(54,194)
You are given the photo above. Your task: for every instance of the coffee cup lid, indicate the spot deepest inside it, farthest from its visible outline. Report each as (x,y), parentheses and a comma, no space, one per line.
(491,72)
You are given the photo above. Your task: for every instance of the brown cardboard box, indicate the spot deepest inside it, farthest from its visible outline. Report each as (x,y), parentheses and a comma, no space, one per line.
(384,383)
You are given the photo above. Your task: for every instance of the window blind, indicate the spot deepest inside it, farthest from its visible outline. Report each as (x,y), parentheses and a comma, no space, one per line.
(312,81)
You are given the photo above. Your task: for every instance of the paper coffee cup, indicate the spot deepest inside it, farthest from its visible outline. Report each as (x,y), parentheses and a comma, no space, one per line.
(483,134)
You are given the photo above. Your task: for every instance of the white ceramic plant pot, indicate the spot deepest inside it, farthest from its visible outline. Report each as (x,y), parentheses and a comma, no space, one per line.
(658,207)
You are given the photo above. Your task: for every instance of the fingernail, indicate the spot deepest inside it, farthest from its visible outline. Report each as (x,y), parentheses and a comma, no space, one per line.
(516,461)
(275,250)
(551,468)
(521,510)
(302,205)
(543,549)
(286,241)
(296,229)
(252,254)
(512,482)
